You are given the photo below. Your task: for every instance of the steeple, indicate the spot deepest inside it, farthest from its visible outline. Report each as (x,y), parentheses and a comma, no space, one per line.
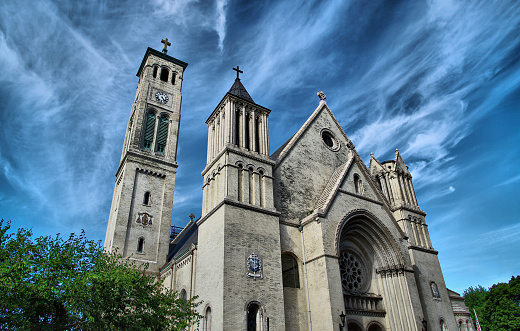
(238,139)
(238,121)
(239,90)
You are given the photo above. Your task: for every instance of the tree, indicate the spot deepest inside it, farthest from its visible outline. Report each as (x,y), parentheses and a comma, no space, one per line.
(54,284)
(497,308)
(501,311)
(475,298)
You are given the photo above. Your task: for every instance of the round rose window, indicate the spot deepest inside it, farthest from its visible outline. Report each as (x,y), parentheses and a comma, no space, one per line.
(353,272)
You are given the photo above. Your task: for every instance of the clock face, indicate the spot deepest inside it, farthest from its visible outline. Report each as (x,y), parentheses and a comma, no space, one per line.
(161,97)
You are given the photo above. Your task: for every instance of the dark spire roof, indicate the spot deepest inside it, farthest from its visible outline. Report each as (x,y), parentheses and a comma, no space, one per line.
(240,91)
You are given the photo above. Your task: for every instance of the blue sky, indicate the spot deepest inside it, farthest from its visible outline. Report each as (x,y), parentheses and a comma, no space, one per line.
(438,79)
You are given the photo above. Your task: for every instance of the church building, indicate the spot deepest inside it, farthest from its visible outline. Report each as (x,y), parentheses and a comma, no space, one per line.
(305,238)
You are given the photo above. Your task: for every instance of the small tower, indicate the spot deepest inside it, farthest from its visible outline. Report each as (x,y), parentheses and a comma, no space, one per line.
(238,254)
(238,136)
(141,211)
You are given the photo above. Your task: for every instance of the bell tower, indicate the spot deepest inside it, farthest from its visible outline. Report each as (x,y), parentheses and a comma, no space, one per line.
(141,211)
(238,253)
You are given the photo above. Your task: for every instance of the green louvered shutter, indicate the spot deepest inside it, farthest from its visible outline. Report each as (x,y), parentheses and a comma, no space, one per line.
(162,134)
(148,130)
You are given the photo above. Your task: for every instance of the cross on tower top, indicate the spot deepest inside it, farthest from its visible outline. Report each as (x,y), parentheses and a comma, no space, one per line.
(166,44)
(191,216)
(237,69)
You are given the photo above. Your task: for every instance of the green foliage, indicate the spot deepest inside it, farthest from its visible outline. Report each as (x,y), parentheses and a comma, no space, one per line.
(56,284)
(497,308)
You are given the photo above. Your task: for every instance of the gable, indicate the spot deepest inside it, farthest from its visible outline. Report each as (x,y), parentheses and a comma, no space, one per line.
(356,182)
(305,164)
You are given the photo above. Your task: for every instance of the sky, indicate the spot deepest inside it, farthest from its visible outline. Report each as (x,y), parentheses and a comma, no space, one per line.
(437,79)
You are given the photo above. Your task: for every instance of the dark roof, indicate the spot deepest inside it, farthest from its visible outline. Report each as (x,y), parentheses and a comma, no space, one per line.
(184,240)
(162,56)
(240,91)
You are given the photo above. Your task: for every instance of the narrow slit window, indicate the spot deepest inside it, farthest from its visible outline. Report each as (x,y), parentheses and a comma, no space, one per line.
(162,134)
(146,199)
(164,74)
(174,76)
(140,245)
(257,136)
(154,72)
(237,128)
(247,133)
(148,130)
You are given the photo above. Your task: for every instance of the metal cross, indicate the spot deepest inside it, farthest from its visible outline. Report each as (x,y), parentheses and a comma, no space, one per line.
(191,217)
(237,69)
(166,44)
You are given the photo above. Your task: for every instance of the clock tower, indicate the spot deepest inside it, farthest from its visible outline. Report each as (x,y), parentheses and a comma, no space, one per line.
(141,211)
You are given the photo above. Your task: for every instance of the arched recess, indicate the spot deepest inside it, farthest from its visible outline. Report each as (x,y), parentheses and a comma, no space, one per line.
(255,316)
(353,325)
(206,322)
(372,266)
(375,326)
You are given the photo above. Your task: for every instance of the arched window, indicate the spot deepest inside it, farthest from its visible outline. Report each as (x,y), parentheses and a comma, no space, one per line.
(162,134)
(174,75)
(146,199)
(183,295)
(164,74)
(207,320)
(240,182)
(290,274)
(155,72)
(254,318)
(140,245)
(358,184)
(149,127)
(444,326)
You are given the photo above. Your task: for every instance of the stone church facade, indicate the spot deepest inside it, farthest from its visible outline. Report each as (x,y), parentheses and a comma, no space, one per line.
(306,238)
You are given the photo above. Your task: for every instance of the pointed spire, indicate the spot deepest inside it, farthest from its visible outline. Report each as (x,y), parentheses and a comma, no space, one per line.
(238,89)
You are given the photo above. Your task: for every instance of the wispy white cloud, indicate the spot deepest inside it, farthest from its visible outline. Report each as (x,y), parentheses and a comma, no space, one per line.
(509,181)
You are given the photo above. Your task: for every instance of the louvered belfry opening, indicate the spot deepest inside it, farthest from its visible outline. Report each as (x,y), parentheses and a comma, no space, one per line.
(149,130)
(162,134)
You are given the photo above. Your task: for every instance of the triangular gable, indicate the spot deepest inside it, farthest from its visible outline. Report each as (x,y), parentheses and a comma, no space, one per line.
(399,163)
(375,167)
(365,189)
(282,152)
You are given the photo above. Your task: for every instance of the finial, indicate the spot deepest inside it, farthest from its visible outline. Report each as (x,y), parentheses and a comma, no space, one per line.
(322,95)
(166,44)
(191,216)
(397,150)
(371,154)
(237,69)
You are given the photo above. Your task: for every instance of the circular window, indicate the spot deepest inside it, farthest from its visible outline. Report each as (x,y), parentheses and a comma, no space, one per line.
(353,272)
(329,140)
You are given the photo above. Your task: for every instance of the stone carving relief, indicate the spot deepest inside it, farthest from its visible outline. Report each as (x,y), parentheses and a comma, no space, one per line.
(144,219)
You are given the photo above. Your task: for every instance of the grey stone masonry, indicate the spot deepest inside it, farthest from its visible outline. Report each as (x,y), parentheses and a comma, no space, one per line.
(141,211)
